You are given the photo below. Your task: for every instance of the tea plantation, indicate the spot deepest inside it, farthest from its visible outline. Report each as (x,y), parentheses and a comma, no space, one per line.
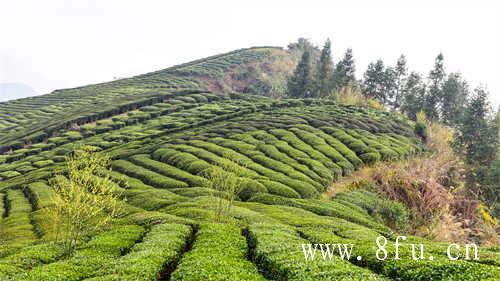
(163,130)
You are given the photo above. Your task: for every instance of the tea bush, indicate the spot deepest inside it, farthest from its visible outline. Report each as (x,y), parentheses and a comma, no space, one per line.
(218,253)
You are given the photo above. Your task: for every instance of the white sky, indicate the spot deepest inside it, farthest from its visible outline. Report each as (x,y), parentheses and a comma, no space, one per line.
(56,44)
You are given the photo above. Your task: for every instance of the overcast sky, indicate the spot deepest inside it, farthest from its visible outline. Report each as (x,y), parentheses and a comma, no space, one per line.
(57,44)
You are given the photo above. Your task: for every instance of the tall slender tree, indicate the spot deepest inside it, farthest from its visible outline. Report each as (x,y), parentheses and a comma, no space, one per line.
(455,92)
(477,133)
(301,83)
(477,138)
(374,83)
(413,94)
(434,95)
(344,73)
(325,70)
(401,76)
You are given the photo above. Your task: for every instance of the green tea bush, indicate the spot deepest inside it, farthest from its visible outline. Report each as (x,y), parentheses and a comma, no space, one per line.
(182,160)
(9,174)
(151,218)
(299,217)
(323,208)
(294,141)
(279,189)
(286,170)
(160,248)
(195,191)
(146,175)
(41,194)
(370,158)
(250,187)
(273,152)
(218,253)
(325,174)
(168,170)
(16,228)
(98,253)
(31,256)
(151,198)
(278,254)
(40,164)
(392,213)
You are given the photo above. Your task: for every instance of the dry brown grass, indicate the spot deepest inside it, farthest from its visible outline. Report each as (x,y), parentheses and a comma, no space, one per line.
(432,186)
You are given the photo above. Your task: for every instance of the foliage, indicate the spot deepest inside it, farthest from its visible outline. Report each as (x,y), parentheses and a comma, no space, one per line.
(325,70)
(301,83)
(421,126)
(218,253)
(223,179)
(345,71)
(161,246)
(81,203)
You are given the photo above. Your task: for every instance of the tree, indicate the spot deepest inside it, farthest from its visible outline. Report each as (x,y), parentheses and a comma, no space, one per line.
(477,138)
(82,202)
(455,92)
(374,82)
(344,73)
(433,97)
(325,71)
(412,95)
(389,86)
(491,184)
(401,76)
(227,185)
(301,83)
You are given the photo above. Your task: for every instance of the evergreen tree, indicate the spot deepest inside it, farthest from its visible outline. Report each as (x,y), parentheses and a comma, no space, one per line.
(478,133)
(301,83)
(401,73)
(344,73)
(434,95)
(478,140)
(412,95)
(325,71)
(491,185)
(374,82)
(455,91)
(389,86)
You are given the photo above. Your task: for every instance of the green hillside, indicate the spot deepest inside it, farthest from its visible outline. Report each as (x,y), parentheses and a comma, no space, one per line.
(164,130)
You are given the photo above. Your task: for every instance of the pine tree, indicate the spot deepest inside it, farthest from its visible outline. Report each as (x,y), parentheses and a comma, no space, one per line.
(389,86)
(301,83)
(325,71)
(434,95)
(455,92)
(374,82)
(401,72)
(412,95)
(477,138)
(491,186)
(344,73)
(477,133)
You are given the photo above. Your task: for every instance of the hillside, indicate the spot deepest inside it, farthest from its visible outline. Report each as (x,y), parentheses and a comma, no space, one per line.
(260,70)
(163,130)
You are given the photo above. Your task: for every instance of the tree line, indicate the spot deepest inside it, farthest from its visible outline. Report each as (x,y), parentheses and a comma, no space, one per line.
(443,97)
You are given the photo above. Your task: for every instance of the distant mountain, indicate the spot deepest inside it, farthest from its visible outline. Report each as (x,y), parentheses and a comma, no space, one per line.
(10,91)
